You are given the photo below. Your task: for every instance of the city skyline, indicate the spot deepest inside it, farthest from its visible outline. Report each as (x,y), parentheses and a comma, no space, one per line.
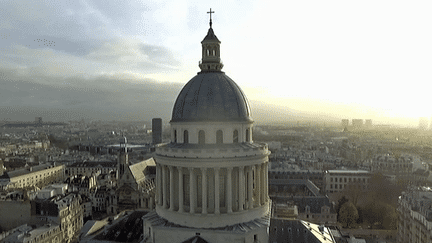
(128,61)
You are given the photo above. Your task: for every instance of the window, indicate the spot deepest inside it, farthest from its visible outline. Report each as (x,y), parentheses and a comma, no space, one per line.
(219,137)
(201,137)
(175,136)
(235,136)
(186,136)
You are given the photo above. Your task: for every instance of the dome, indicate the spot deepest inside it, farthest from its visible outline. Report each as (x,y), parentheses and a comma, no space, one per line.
(211,96)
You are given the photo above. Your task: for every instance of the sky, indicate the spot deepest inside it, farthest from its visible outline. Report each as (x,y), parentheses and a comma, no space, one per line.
(128,60)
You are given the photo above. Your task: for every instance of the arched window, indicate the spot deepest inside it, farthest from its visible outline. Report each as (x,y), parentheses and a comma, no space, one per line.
(248,135)
(175,136)
(208,52)
(235,136)
(219,136)
(201,137)
(186,136)
(213,53)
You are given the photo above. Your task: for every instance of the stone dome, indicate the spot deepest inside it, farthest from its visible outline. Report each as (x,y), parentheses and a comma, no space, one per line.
(211,96)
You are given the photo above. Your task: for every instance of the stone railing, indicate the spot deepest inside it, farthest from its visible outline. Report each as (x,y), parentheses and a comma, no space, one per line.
(259,149)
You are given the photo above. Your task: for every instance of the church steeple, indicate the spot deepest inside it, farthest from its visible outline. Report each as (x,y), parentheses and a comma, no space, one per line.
(210,51)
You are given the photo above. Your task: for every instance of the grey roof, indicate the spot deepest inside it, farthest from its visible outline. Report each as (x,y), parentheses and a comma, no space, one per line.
(27,170)
(315,203)
(210,36)
(298,231)
(211,96)
(91,164)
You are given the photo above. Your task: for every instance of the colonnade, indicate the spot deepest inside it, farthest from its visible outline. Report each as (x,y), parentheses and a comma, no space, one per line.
(211,190)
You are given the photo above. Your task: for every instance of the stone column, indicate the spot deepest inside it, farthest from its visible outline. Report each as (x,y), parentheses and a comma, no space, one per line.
(250,187)
(216,188)
(266,181)
(242,185)
(180,192)
(229,190)
(171,188)
(258,184)
(164,187)
(262,183)
(159,184)
(204,190)
(192,187)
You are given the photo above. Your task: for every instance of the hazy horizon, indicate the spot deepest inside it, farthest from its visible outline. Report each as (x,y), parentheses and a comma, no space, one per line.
(300,61)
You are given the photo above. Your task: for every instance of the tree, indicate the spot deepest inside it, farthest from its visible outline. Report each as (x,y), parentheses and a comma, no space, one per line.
(354,191)
(348,215)
(380,215)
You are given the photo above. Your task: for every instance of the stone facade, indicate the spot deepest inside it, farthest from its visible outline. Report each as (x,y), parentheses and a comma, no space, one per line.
(415,216)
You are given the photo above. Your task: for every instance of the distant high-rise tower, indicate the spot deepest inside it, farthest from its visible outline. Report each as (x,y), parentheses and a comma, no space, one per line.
(345,123)
(357,123)
(157,130)
(368,122)
(38,120)
(423,123)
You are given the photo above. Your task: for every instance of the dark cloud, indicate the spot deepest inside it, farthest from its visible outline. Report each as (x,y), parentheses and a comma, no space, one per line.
(106,98)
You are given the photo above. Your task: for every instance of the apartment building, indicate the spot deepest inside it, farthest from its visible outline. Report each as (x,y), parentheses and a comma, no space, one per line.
(415,216)
(39,176)
(338,180)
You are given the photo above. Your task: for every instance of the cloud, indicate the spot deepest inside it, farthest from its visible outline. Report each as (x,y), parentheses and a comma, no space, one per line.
(23,97)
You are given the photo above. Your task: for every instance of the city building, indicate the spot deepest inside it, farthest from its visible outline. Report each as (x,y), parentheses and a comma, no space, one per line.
(135,184)
(368,123)
(39,176)
(286,227)
(401,167)
(89,167)
(26,234)
(345,123)
(338,180)
(157,130)
(64,210)
(423,123)
(357,123)
(212,179)
(279,172)
(310,204)
(415,216)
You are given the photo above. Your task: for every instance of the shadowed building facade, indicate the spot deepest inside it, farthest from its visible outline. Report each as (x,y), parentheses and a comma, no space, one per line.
(211,179)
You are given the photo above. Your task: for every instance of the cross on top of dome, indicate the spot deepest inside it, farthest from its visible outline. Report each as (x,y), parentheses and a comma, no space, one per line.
(210,17)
